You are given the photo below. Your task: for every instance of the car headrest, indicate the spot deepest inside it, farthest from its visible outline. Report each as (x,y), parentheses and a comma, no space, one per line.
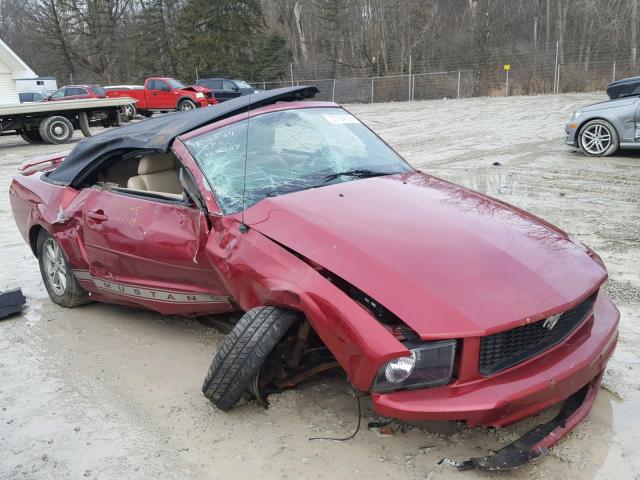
(157,162)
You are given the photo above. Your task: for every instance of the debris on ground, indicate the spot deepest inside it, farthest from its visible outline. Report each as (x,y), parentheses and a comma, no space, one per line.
(11,302)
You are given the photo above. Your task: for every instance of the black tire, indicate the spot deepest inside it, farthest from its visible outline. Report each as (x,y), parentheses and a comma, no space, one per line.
(603,130)
(56,130)
(83,122)
(146,113)
(243,352)
(185,105)
(32,136)
(73,294)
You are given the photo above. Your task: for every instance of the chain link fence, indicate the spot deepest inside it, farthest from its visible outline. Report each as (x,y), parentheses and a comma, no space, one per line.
(491,81)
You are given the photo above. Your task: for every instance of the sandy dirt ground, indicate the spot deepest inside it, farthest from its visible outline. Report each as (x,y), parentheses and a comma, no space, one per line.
(108,392)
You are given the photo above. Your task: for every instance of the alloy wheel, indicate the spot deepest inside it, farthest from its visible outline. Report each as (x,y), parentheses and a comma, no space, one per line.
(596,139)
(55,267)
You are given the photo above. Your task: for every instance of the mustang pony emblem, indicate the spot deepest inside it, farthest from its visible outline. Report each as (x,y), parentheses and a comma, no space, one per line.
(550,322)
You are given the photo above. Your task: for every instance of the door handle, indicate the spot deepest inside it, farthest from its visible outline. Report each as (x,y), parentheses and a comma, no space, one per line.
(97,215)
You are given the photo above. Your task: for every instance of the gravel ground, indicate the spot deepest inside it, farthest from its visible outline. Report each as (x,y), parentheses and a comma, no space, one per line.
(109,392)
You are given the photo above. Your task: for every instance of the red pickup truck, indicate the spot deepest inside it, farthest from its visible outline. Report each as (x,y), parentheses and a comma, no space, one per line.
(162,94)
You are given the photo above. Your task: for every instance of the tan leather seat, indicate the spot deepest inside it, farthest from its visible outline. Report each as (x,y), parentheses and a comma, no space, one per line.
(156,173)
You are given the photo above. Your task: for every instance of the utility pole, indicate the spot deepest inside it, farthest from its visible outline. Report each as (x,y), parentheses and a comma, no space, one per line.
(410,77)
(291,68)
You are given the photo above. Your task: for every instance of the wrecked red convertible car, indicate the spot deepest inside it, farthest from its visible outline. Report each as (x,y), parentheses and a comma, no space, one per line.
(440,302)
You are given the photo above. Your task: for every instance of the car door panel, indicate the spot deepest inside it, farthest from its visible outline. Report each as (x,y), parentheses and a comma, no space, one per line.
(151,253)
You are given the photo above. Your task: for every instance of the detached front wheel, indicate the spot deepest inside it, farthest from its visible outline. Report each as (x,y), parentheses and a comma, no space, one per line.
(598,138)
(243,351)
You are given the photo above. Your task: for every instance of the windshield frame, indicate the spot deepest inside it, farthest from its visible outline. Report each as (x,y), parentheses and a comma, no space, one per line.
(309,104)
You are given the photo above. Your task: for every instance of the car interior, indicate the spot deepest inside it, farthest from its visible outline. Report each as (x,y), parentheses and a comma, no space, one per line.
(151,173)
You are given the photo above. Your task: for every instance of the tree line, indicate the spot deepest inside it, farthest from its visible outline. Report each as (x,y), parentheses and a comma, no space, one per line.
(123,41)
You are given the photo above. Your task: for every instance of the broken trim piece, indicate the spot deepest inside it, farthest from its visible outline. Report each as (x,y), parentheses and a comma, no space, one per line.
(11,302)
(537,441)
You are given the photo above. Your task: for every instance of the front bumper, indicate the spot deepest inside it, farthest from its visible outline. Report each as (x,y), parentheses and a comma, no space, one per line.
(523,390)
(571,134)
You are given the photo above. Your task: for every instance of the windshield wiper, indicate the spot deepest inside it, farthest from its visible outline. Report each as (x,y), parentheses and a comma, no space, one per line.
(356,173)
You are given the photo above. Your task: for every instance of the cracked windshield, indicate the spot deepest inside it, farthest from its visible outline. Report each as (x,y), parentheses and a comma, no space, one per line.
(289,151)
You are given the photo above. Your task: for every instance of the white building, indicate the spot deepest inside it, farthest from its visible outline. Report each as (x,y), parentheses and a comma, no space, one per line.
(11,69)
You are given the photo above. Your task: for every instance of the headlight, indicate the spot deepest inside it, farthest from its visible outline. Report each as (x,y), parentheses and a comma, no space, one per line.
(576,114)
(429,365)
(199,95)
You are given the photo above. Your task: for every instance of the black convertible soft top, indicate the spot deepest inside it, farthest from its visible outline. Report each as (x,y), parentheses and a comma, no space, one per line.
(158,133)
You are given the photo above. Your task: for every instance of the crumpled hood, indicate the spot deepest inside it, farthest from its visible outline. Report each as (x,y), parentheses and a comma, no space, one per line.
(448,261)
(198,88)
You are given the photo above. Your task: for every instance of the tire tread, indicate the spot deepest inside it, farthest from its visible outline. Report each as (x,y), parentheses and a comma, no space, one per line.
(243,352)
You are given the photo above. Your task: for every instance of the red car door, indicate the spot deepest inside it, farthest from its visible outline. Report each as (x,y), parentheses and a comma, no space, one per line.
(150,252)
(160,95)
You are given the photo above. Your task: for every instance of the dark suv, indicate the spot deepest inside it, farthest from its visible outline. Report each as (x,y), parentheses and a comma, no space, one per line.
(225,89)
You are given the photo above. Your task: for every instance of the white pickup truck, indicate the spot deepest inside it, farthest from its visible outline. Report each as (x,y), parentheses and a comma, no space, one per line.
(54,122)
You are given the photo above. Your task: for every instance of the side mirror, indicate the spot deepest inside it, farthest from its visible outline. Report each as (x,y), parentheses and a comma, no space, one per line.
(235,89)
(191,190)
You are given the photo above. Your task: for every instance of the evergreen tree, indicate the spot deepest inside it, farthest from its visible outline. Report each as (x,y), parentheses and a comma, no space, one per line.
(218,37)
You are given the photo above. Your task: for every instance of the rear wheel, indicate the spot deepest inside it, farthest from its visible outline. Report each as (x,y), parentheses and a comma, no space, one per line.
(145,113)
(56,130)
(186,105)
(31,136)
(61,284)
(244,351)
(598,138)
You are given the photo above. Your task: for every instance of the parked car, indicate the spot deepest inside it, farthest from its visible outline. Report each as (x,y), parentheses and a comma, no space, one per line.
(440,302)
(162,94)
(599,130)
(30,97)
(226,89)
(76,92)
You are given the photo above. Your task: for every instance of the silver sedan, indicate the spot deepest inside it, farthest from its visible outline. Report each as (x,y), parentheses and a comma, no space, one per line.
(602,128)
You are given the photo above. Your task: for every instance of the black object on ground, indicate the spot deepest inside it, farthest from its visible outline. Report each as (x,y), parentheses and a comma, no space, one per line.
(11,302)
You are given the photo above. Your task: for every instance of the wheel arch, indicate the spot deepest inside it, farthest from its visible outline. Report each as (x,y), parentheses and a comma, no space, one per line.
(598,117)
(186,97)
(34,233)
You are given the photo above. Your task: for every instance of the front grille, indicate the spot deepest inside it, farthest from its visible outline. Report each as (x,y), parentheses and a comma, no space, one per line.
(506,349)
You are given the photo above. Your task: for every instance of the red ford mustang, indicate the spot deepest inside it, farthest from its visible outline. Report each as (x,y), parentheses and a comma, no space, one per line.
(440,302)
